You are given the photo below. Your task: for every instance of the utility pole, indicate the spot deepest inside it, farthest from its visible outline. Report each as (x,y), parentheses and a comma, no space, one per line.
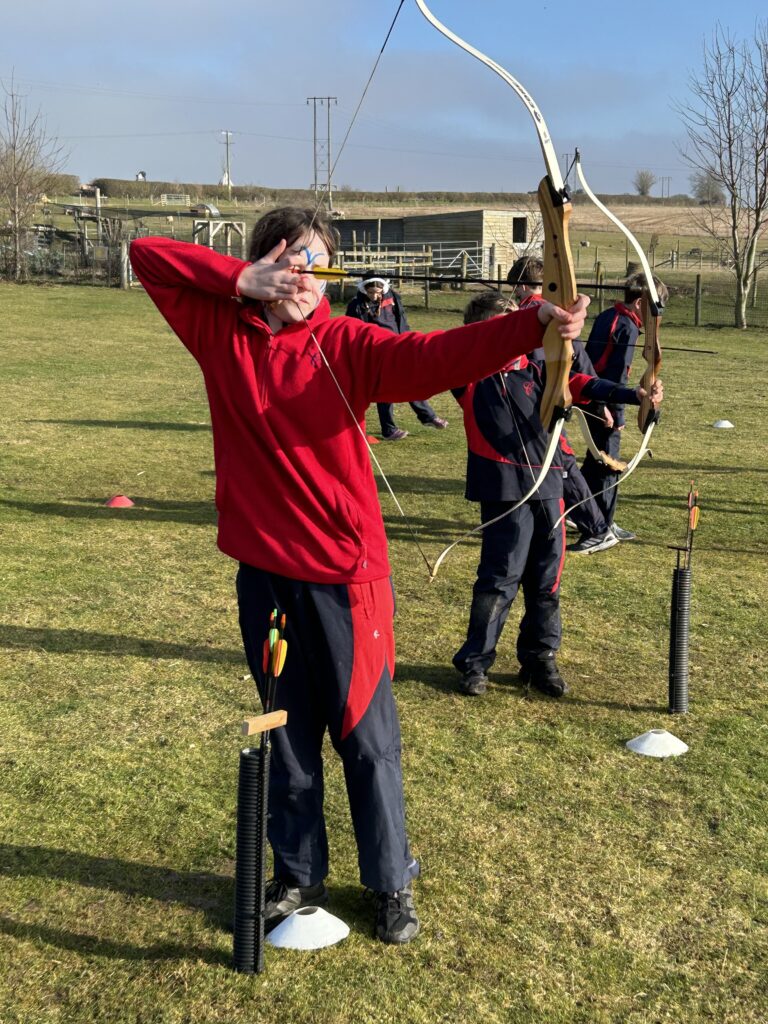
(227,135)
(566,157)
(665,189)
(323,165)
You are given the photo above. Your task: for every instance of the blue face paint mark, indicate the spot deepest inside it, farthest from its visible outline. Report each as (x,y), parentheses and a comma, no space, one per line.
(310,257)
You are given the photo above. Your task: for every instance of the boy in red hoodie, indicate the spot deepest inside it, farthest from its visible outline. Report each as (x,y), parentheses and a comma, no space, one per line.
(298,508)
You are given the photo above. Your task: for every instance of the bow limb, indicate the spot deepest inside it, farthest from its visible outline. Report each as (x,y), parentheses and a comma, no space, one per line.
(552,447)
(652,308)
(597,453)
(630,467)
(559,285)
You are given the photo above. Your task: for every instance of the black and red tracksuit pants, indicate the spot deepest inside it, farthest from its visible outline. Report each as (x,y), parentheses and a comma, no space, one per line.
(521,550)
(337,677)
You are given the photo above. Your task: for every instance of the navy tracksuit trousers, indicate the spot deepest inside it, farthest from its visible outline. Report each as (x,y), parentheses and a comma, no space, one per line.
(337,677)
(519,550)
(585,512)
(598,475)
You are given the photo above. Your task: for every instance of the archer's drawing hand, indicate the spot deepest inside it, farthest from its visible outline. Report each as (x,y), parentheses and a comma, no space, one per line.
(570,322)
(607,417)
(656,395)
(272,277)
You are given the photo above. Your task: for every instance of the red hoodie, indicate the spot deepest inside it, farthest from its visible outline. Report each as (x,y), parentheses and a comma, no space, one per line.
(295,491)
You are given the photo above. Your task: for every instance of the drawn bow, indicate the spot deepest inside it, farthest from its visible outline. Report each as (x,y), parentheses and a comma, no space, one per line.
(559,281)
(651,310)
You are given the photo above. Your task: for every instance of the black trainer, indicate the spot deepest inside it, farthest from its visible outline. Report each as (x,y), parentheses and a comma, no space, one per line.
(474,683)
(542,674)
(281,899)
(396,918)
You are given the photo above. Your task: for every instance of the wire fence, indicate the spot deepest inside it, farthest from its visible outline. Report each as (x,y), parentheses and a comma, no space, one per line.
(699,295)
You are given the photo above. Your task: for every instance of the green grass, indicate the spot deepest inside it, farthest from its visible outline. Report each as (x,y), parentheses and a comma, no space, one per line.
(564,879)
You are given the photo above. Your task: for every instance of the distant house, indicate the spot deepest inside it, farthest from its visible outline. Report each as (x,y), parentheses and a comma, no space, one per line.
(141,175)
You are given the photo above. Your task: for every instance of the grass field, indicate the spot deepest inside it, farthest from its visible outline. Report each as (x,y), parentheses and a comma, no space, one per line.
(565,880)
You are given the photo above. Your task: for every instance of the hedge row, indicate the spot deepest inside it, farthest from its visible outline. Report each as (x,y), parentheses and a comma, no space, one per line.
(117,188)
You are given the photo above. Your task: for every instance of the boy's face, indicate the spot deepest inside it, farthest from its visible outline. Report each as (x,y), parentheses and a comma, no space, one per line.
(307,252)
(374,292)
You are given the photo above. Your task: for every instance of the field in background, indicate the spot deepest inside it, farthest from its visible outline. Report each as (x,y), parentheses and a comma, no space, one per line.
(564,880)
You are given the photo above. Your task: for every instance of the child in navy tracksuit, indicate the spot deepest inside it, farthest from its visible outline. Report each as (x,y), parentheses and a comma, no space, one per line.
(506,444)
(525,276)
(611,347)
(377,302)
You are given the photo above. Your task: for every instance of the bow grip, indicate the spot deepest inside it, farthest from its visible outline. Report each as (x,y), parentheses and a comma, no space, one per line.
(559,287)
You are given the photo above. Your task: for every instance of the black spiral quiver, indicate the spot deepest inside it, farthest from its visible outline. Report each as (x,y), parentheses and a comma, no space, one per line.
(250,866)
(679,633)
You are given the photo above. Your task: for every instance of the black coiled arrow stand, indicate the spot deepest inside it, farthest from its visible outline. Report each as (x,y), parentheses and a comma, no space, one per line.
(250,867)
(679,633)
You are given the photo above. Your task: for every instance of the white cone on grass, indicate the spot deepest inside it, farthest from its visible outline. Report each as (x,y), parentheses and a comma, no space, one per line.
(657,743)
(722,425)
(308,928)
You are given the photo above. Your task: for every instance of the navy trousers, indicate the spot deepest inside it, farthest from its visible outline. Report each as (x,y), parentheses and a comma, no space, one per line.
(337,677)
(519,550)
(386,411)
(597,475)
(586,515)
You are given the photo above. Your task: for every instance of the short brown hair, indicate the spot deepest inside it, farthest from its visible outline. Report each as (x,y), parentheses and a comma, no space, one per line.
(487,305)
(635,285)
(526,270)
(290,223)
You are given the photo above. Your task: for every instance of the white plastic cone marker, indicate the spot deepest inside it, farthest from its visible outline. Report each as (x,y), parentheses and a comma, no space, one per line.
(722,425)
(308,928)
(657,743)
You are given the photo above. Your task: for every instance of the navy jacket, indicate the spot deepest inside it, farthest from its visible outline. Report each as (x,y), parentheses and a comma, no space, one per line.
(505,437)
(611,347)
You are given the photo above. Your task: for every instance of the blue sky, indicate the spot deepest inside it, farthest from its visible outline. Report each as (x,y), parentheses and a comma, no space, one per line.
(150,86)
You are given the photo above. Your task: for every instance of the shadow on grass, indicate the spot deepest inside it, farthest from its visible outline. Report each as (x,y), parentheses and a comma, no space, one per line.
(199,890)
(212,894)
(445,679)
(423,485)
(90,945)
(128,424)
(151,510)
(68,641)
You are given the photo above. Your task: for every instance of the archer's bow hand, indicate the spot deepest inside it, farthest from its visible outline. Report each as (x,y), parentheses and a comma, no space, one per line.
(655,396)
(570,321)
(273,277)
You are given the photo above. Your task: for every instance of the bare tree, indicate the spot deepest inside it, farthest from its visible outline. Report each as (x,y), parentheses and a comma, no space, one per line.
(706,188)
(29,160)
(643,182)
(727,127)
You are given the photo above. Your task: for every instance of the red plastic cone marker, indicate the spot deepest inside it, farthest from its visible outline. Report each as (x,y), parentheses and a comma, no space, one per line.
(119,501)
(372,439)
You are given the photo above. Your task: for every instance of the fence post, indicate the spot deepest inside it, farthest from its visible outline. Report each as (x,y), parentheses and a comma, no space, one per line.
(697,303)
(599,280)
(464,267)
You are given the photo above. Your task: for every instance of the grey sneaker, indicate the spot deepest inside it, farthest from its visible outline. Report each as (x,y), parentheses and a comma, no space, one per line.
(589,545)
(281,899)
(620,534)
(474,683)
(438,423)
(396,918)
(396,435)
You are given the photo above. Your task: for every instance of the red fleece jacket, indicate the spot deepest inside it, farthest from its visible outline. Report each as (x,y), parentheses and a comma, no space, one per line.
(295,491)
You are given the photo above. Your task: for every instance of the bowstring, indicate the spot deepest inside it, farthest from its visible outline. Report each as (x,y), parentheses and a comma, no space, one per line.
(317,344)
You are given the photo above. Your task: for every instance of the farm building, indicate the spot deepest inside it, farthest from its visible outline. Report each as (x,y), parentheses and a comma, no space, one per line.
(484,242)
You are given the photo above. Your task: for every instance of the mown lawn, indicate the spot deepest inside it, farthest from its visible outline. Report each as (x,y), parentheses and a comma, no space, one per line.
(564,879)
